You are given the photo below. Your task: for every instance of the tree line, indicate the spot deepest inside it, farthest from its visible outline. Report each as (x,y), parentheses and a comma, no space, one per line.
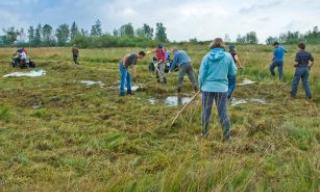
(311,37)
(65,35)
(125,36)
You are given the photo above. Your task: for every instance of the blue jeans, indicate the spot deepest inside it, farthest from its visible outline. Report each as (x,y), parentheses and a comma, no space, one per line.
(231,85)
(125,80)
(278,64)
(221,103)
(301,73)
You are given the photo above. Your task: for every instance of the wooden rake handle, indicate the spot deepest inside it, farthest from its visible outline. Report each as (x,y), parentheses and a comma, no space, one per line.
(184,108)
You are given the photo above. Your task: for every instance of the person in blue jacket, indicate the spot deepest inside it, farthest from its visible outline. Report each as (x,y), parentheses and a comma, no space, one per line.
(278,60)
(182,60)
(215,68)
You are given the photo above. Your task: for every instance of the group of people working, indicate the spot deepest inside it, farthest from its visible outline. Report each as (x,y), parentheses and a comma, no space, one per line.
(217,76)
(303,63)
(217,73)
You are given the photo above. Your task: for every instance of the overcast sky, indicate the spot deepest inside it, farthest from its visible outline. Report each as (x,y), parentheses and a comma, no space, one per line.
(184,19)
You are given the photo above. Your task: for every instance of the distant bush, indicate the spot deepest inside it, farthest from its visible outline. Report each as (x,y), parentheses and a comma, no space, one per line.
(112,41)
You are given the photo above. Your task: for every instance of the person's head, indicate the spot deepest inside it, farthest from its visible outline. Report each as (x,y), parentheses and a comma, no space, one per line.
(217,43)
(160,46)
(141,54)
(174,50)
(232,48)
(276,44)
(302,46)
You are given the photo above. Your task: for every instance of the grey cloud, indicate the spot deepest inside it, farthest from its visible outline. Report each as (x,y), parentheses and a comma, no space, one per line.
(259,6)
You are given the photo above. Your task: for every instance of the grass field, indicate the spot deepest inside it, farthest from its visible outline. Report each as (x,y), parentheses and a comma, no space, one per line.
(59,135)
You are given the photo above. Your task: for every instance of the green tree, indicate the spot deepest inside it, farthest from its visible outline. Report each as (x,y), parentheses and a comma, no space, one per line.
(74,31)
(140,33)
(37,35)
(116,33)
(31,35)
(22,36)
(145,32)
(11,35)
(161,34)
(251,37)
(271,40)
(96,29)
(84,33)
(127,30)
(47,31)
(241,39)
(62,34)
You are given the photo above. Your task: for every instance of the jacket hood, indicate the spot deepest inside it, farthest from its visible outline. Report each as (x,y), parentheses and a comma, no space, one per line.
(216,54)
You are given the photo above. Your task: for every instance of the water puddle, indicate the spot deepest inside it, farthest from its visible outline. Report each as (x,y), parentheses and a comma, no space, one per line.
(171,101)
(237,101)
(247,82)
(90,83)
(133,88)
(34,73)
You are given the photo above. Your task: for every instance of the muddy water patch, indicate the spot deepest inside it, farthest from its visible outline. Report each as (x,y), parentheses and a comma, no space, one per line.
(90,83)
(171,101)
(239,101)
(246,82)
(133,88)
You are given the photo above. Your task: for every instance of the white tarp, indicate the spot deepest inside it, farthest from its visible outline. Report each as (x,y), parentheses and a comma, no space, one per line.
(34,73)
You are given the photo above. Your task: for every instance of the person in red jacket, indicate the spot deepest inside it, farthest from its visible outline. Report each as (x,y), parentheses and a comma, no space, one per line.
(160,68)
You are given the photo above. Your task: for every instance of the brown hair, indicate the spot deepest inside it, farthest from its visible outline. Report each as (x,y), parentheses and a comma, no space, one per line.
(217,43)
(302,45)
(142,53)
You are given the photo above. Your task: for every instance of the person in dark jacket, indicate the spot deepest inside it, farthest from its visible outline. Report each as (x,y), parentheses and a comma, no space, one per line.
(233,79)
(304,62)
(125,77)
(75,54)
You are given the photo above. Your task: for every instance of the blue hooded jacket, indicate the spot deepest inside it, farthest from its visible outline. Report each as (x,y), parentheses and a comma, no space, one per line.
(215,68)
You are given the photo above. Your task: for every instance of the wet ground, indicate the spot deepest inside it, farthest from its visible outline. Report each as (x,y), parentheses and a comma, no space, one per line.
(240,101)
(246,82)
(90,83)
(174,101)
(171,101)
